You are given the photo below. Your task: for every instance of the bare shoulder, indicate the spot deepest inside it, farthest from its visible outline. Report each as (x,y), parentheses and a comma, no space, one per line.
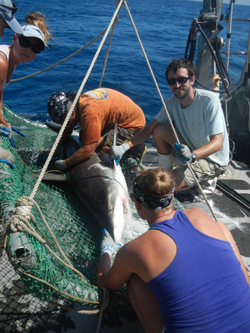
(3,61)
(134,246)
(195,213)
(3,66)
(224,229)
(204,223)
(135,249)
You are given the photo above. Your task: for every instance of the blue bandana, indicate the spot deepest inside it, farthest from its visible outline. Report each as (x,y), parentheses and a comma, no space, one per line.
(153,203)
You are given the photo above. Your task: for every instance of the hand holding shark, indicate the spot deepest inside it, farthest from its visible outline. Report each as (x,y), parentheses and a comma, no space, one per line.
(60,165)
(108,245)
(116,152)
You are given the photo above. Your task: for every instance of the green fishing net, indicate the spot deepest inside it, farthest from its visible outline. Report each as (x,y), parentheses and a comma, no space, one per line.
(77,232)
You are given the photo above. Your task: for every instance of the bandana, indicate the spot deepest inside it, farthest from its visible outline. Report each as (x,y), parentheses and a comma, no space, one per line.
(58,106)
(154,203)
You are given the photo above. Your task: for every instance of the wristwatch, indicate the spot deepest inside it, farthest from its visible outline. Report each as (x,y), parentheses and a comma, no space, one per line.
(194,157)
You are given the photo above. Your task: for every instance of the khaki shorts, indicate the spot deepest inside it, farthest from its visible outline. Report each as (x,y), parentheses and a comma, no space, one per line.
(123,134)
(203,169)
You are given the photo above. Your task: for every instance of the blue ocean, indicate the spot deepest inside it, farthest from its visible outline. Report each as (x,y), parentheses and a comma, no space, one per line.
(163,26)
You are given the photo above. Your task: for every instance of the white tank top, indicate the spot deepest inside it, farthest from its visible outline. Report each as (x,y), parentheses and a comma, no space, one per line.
(5,49)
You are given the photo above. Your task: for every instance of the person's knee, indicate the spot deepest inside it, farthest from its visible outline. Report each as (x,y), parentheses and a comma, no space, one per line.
(163,133)
(159,131)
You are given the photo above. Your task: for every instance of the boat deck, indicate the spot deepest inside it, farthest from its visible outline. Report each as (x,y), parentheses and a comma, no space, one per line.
(230,203)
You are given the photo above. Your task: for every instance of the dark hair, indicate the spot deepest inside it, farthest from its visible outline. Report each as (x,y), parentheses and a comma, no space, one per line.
(70,95)
(181,63)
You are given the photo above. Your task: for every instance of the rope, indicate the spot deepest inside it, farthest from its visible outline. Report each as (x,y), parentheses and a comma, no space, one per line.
(165,108)
(107,54)
(74,102)
(104,305)
(61,61)
(19,221)
(57,290)
(100,310)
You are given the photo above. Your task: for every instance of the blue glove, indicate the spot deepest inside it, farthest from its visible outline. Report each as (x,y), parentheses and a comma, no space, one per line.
(5,131)
(108,245)
(60,165)
(7,157)
(116,152)
(184,153)
(7,162)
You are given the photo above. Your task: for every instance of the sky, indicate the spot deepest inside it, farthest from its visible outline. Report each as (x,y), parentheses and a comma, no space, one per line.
(238,2)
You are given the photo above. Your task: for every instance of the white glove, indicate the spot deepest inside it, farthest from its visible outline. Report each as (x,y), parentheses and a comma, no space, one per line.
(116,152)
(108,245)
(184,153)
(60,165)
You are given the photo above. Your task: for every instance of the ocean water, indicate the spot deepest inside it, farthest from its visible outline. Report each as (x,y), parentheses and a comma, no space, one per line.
(163,26)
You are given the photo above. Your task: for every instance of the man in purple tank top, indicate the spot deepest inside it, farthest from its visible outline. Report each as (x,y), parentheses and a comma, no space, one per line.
(185,274)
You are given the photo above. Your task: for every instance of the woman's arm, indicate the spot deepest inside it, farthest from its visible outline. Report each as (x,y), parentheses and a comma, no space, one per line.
(3,73)
(116,276)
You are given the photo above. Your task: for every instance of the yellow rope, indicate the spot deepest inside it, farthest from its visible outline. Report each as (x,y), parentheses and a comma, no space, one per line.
(57,290)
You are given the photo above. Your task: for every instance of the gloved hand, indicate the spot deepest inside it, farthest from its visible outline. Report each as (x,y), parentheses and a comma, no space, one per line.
(184,153)
(6,131)
(7,157)
(116,152)
(60,165)
(108,245)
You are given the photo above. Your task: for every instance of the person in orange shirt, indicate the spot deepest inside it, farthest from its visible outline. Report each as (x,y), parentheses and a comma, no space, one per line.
(97,112)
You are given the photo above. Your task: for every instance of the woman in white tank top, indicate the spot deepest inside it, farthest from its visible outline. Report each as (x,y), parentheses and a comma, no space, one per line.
(24,48)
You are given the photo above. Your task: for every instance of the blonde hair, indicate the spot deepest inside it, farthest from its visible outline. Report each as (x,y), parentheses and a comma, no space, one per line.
(39,20)
(156,182)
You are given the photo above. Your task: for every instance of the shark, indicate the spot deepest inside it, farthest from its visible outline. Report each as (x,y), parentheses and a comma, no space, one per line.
(101,186)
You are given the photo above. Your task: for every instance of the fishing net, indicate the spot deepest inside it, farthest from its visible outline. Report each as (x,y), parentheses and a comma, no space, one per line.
(78,233)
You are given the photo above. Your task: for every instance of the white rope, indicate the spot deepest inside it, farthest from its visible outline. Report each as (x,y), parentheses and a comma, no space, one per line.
(19,221)
(74,102)
(165,108)
(23,209)
(61,61)
(107,54)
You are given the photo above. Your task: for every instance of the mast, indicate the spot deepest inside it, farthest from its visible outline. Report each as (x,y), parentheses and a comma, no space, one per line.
(209,19)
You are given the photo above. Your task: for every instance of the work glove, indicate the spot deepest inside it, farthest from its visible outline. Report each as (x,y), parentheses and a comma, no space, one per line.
(7,157)
(116,152)
(184,153)
(108,245)
(60,165)
(5,131)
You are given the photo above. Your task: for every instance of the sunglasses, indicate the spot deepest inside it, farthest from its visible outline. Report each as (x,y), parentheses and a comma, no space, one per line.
(180,80)
(12,9)
(25,42)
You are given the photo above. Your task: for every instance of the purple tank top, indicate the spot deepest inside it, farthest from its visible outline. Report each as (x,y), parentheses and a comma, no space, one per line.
(204,288)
